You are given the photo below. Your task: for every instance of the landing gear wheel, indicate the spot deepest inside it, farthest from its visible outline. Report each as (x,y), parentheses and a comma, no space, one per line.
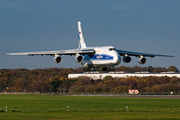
(112,69)
(108,69)
(105,69)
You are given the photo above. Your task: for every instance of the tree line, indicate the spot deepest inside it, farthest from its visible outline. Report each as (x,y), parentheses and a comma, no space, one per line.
(55,80)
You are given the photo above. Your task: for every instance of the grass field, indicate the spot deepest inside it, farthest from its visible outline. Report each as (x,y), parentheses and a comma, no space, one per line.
(86,107)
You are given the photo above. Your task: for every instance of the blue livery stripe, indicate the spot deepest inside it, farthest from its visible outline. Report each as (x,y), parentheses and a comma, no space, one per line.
(101,57)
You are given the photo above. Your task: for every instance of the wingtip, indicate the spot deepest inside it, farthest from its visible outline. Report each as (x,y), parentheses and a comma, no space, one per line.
(4,53)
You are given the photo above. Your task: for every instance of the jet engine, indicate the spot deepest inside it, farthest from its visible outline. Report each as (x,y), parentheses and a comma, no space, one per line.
(142,60)
(126,59)
(57,59)
(79,58)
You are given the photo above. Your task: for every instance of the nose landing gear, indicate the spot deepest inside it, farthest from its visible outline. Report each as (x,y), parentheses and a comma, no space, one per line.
(87,69)
(108,69)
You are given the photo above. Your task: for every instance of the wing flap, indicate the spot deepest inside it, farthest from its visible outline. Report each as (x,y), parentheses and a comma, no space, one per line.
(58,52)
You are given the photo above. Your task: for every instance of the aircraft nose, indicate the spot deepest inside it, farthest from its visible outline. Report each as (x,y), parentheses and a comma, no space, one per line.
(118,58)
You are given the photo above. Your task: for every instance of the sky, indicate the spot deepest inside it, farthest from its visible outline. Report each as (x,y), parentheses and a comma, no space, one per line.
(135,25)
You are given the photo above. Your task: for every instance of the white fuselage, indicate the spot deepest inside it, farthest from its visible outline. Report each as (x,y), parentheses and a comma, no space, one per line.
(103,57)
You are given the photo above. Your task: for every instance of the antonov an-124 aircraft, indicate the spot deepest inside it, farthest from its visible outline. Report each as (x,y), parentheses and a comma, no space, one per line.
(94,57)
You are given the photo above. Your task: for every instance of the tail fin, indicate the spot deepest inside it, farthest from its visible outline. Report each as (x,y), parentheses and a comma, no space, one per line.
(82,43)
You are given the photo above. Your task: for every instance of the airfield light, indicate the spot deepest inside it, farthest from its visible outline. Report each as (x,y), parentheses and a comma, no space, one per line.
(127,108)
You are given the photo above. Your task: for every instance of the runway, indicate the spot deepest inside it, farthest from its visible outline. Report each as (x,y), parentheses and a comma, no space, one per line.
(140,96)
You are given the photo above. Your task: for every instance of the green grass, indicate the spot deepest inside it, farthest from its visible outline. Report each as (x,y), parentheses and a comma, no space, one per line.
(87,107)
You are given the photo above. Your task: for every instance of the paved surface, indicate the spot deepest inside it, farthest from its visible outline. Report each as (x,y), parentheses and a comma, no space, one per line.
(140,96)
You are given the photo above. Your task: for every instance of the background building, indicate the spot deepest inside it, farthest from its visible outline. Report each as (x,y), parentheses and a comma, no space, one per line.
(98,75)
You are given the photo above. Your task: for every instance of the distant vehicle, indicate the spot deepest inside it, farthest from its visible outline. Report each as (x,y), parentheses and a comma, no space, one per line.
(94,57)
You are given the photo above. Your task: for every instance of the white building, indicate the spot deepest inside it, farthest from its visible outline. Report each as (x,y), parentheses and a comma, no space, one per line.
(97,75)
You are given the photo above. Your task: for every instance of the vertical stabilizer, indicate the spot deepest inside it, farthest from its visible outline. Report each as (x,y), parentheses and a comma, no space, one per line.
(82,43)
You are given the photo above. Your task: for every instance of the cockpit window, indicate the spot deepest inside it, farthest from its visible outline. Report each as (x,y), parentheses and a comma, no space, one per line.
(110,49)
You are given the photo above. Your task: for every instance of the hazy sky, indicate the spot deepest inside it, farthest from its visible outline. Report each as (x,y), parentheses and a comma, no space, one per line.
(137,25)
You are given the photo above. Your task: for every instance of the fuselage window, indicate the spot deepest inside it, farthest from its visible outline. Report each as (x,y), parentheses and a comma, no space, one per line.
(110,49)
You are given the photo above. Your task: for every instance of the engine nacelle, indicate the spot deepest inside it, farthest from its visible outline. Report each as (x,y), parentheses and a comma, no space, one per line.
(79,58)
(57,59)
(126,59)
(142,60)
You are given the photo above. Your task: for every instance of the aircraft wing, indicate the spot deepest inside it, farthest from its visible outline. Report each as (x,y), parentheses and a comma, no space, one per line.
(58,52)
(130,53)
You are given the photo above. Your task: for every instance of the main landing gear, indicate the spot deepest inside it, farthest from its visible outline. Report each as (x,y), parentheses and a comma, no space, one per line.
(108,69)
(87,69)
